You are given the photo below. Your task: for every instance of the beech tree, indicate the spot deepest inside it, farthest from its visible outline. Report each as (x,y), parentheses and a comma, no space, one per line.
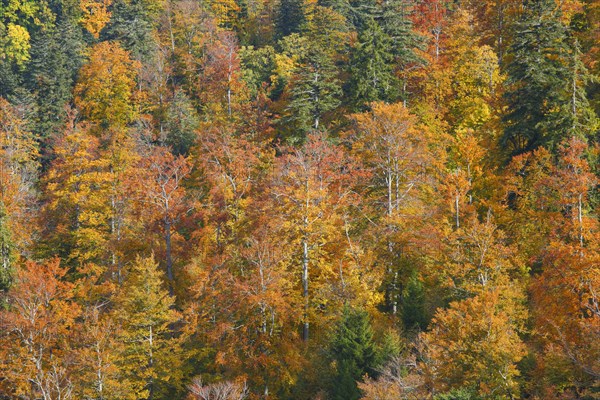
(76,209)
(36,338)
(104,92)
(163,198)
(18,171)
(475,344)
(401,165)
(431,163)
(311,190)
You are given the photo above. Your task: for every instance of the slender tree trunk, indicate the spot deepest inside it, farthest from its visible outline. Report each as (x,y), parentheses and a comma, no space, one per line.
(171,28)
(580,219)
(151,364)
(457,211)
(168,255)
(305,260)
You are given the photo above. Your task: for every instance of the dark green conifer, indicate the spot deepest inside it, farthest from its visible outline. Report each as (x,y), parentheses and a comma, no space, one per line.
(290,17)
(57,54)
(355,353)
(315,91)
(372,68)
(538,81)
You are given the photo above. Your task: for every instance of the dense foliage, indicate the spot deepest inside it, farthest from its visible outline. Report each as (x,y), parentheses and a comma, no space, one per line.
(299,199)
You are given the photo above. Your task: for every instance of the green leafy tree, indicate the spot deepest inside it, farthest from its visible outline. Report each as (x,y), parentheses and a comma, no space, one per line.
(7,251)
(148,361)
(18,20)
(181,123)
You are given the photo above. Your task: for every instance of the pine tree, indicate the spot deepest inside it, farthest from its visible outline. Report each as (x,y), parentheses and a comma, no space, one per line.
(372,68)
(148,362)
(538,80)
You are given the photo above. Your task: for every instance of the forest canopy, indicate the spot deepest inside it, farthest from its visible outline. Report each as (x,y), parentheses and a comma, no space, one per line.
(299,199)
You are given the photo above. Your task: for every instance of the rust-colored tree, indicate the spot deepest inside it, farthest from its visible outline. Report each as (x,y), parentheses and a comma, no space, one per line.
(37,334)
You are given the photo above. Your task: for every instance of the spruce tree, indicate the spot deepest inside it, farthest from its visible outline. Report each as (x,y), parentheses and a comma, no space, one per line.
(356,12)
(414,315)
(538,80)
(355,353)
(57,55)
(315,91)
(132,24)
(290,17)
(181,122)
(372,69)
(585,121)
(396,23)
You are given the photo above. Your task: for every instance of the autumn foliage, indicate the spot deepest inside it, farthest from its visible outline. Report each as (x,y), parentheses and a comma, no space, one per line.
(299,199)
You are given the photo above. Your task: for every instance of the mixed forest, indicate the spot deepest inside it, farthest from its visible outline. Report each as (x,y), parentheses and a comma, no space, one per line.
(299,199)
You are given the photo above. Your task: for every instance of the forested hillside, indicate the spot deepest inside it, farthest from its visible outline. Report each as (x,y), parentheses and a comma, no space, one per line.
(299,199)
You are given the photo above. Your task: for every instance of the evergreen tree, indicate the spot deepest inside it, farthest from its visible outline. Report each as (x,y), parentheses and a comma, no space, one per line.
(413,304)
(57,55)
(145,310)
(290,17)
(458,394)
(538,80)
(315,91)
(585,121)
(372,68)
(354,352)
(132,23)
(356,12)
(396,23)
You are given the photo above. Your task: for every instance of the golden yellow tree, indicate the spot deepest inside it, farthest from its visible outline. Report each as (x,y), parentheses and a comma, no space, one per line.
(105,90)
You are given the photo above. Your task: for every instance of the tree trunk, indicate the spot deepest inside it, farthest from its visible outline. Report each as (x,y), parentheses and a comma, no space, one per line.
(305,329)
(168,255)
(151,364)
(457,212)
